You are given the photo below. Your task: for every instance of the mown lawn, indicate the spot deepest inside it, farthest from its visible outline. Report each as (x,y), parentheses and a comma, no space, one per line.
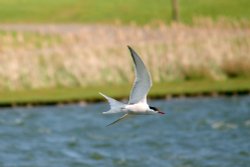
(99,11)
(58,95)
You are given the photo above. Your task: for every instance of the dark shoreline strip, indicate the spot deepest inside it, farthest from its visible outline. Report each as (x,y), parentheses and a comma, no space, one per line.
(96,100)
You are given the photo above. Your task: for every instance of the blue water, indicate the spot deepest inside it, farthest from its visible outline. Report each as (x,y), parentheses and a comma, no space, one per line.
(195,132)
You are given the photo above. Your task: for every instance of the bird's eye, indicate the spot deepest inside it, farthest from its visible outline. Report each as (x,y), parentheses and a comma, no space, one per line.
(153,108)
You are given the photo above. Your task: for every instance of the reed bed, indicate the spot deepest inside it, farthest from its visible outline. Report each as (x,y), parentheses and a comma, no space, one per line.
(40,56)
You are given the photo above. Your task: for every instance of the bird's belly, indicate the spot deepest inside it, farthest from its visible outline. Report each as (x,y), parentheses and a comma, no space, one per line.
(137,109)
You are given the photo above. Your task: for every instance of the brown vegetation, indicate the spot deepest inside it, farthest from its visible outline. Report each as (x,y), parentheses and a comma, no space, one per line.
(38,56)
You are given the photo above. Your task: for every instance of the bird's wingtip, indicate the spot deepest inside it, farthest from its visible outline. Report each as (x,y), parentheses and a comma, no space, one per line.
(100,93)
(130,48)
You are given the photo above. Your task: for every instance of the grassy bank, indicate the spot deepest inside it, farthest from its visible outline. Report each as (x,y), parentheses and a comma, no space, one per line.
(36,56)
(160,90)
(139,11)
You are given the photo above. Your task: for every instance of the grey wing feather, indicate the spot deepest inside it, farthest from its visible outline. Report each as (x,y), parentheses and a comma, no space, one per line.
(142,82)
(119,119)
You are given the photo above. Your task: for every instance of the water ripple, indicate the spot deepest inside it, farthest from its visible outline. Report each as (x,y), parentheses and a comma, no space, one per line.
(194,132)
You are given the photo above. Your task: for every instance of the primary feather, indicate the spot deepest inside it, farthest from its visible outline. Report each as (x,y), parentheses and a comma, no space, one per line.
(142,82)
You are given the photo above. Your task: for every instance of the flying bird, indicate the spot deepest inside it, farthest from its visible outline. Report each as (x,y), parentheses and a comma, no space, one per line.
(137,104)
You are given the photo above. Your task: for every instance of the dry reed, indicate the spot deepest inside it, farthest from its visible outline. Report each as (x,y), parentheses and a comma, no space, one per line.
(38,56)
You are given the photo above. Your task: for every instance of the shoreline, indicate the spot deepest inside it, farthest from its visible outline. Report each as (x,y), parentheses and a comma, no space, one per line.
(84,95)
(84,102)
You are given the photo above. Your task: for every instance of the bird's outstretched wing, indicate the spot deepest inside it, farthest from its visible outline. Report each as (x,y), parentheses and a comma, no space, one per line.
(142,82)
(119,119)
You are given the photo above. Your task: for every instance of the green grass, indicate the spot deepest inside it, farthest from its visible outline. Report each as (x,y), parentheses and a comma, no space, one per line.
(140,11)
(57,95)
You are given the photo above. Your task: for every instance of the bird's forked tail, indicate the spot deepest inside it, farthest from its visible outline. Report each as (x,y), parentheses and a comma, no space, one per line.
(115,106)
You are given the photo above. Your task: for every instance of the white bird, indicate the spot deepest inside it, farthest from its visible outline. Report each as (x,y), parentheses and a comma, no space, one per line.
(137,104)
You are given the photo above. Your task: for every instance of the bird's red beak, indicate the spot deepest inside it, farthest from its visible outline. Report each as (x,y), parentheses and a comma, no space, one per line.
(161,112)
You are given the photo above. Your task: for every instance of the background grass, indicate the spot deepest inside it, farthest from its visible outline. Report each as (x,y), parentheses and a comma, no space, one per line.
(160,90)
(47,65)
(81,55)
(99,11)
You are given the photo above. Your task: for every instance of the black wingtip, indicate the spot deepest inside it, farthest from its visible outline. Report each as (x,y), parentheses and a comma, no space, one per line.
(129,47)
(111,124)
(133,53)
(108,125)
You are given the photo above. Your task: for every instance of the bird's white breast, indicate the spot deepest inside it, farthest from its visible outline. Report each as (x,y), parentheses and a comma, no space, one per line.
(138,108)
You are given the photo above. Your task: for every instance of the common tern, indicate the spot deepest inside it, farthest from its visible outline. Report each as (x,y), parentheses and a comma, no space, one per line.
(137,104)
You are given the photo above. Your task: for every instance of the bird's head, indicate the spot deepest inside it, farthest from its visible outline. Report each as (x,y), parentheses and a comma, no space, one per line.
(154,109)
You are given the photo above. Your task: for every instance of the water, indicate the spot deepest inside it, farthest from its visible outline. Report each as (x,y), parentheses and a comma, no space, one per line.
(207,132)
